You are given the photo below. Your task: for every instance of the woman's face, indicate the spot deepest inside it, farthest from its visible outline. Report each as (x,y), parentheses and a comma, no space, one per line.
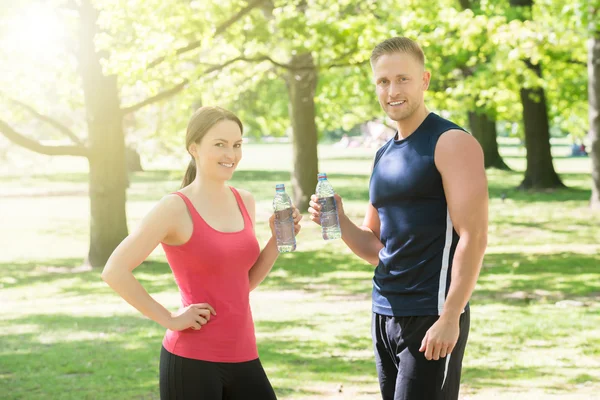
(220,150)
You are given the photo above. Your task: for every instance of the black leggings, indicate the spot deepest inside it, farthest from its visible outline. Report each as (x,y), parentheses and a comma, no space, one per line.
(187,379)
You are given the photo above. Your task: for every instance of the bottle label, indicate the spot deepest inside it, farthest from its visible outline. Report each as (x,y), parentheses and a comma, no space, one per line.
(327,204)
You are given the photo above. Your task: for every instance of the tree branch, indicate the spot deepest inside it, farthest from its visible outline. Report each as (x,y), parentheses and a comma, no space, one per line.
(156,98)
(220,29)
(261,58)
(37,147)
(177,88)
(349,64)
(575,62)
(44,118)
(217,67)
(342,56)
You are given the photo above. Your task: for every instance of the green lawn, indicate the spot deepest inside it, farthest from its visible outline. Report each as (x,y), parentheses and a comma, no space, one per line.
(65,335)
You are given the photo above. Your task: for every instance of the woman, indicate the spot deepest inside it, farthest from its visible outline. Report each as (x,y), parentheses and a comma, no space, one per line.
(207,232)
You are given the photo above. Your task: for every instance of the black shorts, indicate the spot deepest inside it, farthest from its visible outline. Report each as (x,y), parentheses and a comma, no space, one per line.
(404,372)
(187,379)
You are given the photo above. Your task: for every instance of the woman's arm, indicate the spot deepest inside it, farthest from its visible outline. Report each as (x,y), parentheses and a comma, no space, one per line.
(160,222)
(269,253)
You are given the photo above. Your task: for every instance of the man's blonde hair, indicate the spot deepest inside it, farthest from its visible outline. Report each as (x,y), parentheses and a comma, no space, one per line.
(398,45)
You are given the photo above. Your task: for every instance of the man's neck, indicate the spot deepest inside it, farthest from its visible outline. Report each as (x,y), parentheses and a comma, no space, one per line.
(407,126)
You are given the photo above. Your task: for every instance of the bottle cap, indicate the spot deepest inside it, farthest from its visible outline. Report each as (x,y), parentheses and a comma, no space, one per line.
(280,186)
(321,175)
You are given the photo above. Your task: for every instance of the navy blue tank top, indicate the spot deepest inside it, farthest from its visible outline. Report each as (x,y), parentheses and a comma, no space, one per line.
(415,265)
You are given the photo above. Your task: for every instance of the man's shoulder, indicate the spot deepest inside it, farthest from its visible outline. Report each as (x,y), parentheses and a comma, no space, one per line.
(457,144)
(445,125)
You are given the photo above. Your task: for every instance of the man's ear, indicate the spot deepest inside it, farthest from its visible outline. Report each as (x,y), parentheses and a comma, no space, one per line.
(426,79)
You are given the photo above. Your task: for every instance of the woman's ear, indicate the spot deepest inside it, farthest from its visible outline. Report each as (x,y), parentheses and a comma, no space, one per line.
(193,150)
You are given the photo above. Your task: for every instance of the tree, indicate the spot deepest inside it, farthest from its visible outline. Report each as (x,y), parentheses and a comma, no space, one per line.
(482,124)
(540,173)
(105,146)
(301,82)
(594,100)
(302,42)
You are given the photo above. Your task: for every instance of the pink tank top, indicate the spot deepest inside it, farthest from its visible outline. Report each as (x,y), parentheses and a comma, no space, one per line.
(212,267)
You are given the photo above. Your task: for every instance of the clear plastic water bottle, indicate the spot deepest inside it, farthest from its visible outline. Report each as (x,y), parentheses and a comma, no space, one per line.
(284,220)
(330,224)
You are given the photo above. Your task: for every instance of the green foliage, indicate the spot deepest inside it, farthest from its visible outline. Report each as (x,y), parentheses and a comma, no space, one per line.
(475,56)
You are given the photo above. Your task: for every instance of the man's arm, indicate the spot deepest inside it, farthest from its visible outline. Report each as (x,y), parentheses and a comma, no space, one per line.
(459,158)
(362,240)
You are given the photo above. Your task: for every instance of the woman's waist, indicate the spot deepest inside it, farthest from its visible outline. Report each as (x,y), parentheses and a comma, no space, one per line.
(218,329)
(228,316)
(237,345)
(227,304)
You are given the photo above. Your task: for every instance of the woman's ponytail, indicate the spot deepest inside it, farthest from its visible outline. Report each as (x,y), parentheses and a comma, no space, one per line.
(190,174)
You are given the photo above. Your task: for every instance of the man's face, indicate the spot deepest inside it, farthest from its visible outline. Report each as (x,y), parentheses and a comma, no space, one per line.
(400,80)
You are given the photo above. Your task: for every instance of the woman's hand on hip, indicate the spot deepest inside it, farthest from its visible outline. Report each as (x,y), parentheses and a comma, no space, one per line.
(193,316)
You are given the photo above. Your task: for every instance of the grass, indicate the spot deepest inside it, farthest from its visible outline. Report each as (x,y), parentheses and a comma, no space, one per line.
(535,313)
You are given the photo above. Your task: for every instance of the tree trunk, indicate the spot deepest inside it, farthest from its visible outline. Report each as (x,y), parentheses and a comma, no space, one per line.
(594,114)
(133,160)
(108,172)
(540,173)
(302,82)
(484,130)
(482,126)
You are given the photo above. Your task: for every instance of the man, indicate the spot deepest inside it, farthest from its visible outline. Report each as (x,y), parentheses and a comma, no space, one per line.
(425,230)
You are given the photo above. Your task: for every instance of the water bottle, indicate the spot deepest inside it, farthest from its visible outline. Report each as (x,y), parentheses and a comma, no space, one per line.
(330,224)
(284,220)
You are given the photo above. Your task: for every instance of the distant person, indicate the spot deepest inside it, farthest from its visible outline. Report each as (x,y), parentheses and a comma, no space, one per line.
(425,231)
(207,232)
(344,141)
(578,150)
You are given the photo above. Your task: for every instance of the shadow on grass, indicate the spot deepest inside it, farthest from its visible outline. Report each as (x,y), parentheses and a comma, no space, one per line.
(321,271)
(120,358)
(504,183)
(307,357)
(519,279)
(489,377)
(578,230)
(81,357)
(314,271)
(562,275)
(74,357)
(280,326)
(87,280)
